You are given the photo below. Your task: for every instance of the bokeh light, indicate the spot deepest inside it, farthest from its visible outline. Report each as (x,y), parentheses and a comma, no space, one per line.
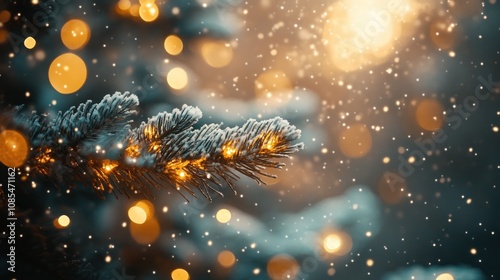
(137,215)
(226,258)
(445,276)
(75,34)
(63,220)
(443,33)
(173,45)
(429,114)
(177,78)
(337,243)
(14,148)
(67,73)
(282,266)
(149,11)
(4,16)
(355,141)
(392,188)
(147,206)
(180,274)
(29,42)
(145,233)
(358,33)
(273,87)
(223,216)
(217,53)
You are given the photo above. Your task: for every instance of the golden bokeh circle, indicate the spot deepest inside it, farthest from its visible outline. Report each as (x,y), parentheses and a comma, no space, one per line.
(429,114)
(67,73)
(75,34)
(14,148)
(355,141)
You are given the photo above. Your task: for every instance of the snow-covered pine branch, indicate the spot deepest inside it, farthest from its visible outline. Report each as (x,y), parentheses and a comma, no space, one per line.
(93,145)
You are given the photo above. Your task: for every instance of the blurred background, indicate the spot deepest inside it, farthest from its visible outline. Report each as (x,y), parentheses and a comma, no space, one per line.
(398,106)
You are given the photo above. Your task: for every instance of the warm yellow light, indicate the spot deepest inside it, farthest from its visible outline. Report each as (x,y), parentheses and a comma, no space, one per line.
(228,151)
(4,35)
(149,12)
(108,165)
(217,53)
(180,274)
(173,45)
(177,78)
(282,266)
(123,5)
(337,243)
(226,258)
(147,206)
(29,42)
(75,34)
(359,33)
(355,141)
(4,16)
(137,215)
(13,148)
(223,216)
(63,221)
(134,10)
(369,262)
(429,114)
(147,232)
(332,243)
(445,276)
(67,73)
(270,144)
(273,87)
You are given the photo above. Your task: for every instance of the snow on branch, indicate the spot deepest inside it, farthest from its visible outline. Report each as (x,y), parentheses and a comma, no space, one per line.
(93,145)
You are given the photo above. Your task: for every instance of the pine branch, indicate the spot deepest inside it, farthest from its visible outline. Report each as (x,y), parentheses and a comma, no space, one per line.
(93,145)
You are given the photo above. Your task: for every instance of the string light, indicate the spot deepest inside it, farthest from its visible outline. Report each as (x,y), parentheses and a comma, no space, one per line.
(228,151)
(108,165)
